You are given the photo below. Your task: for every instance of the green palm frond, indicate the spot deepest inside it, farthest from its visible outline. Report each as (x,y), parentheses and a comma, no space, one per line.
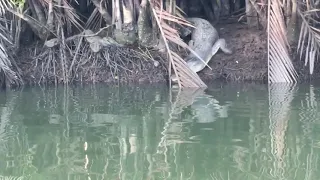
(280,67)
(309,39)
(186,77)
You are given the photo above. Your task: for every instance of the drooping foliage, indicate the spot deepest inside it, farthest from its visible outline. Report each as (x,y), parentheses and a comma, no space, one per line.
(280,67)
(309,38)
(186,77)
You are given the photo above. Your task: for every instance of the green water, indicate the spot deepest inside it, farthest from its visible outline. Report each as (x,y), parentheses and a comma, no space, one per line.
(228,131)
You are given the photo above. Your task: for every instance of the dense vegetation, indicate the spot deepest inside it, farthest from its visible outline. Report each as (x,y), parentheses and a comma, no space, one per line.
(74,39)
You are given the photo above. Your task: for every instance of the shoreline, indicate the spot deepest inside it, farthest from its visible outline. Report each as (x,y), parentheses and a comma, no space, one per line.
(248,63)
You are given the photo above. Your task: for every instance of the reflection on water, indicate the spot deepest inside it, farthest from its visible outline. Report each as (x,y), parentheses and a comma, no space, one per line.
(227,131)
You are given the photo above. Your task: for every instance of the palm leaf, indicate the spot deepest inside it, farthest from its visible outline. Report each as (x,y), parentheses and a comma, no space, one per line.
(5,65)
(280,67)
(4,6)
(94,21)
(309,38)
(6,41)
(71,15)
(186,77)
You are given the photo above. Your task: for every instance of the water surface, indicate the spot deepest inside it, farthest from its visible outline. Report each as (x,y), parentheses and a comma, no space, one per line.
(228,131)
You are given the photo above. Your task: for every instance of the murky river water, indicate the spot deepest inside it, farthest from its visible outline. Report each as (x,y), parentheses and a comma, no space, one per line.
(227,132)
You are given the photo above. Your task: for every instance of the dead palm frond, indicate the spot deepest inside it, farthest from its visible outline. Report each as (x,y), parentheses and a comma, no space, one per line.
(5,63)
(48,14)
(4,5)
(179,12)
(6,44)
(69,14)
(94,21)
(101,6)
(280,67)
(186,77)
(309,39)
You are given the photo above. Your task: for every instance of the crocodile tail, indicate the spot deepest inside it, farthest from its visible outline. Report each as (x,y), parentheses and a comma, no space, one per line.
(213,50)
(224,46)
(195,64)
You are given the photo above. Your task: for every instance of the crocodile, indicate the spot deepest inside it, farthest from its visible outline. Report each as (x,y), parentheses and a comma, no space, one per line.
(204,41)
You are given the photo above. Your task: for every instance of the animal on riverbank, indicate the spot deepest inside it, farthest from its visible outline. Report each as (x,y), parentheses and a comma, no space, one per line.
(204,41)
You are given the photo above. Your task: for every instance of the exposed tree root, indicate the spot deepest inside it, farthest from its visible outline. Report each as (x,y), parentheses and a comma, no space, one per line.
(111,64)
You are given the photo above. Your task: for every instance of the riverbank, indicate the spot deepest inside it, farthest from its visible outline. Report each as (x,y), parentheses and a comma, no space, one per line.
(249,59)
(247,63)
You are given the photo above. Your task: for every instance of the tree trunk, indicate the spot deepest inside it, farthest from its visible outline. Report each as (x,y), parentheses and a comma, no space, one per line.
(127,14)
(208,11)
(292,27)
(116,14)
(41,26)
(103,11)
(236,5)
(124,33)
(225,7)
(216,6)
(252,16)
(184,6)
(145,31)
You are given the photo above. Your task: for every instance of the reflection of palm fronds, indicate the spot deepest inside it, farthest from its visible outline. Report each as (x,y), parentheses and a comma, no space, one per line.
(186,77)
(309,35)
(12,177)
(309,111)
(280,98)
(185,98)
(280,67)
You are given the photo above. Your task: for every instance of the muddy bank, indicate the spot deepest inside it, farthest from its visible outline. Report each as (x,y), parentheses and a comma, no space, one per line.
(247,63)
(124,65)
(249,59)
